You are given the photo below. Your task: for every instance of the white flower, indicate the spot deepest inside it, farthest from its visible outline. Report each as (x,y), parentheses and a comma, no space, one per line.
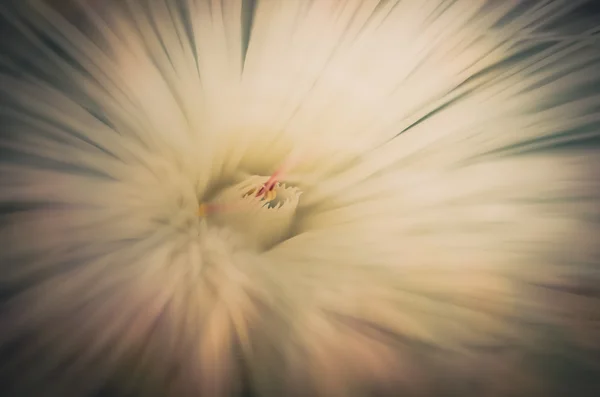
(431,228)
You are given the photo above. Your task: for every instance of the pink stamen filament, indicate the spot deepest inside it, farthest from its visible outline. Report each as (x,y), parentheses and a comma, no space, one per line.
(269,184)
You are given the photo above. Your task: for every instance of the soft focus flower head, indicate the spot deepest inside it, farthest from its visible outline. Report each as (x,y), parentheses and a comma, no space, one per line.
(299,198)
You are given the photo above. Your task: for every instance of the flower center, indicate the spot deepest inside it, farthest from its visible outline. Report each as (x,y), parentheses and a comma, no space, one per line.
(260,209)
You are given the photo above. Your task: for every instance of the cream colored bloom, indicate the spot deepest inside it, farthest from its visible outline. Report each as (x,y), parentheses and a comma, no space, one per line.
(433,229)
